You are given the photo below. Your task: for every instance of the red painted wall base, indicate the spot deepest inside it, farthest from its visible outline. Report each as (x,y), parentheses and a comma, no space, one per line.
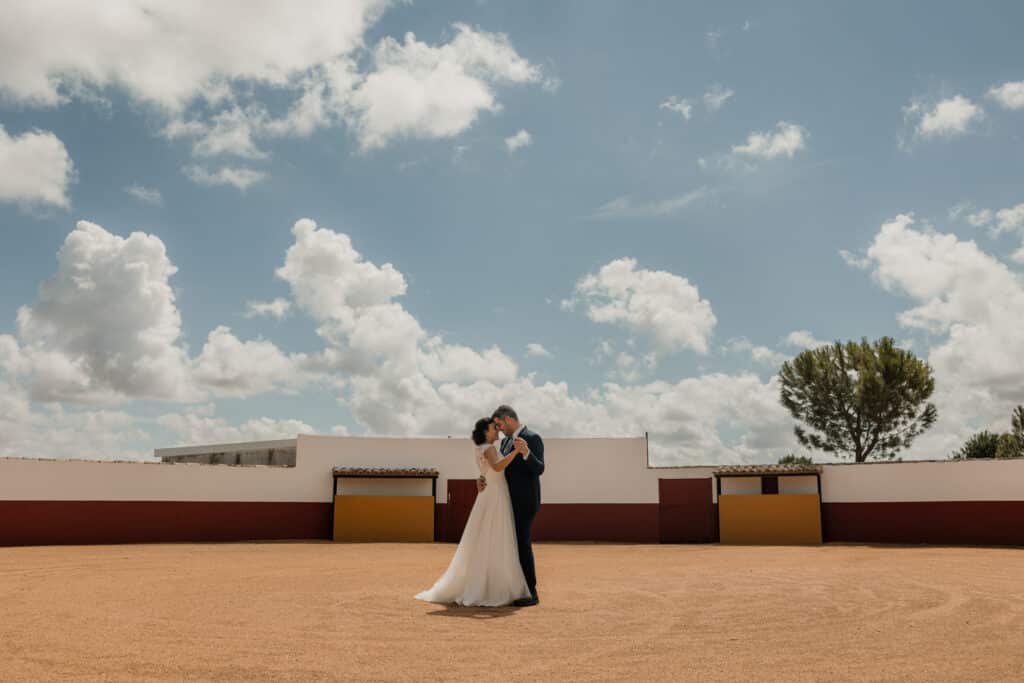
(81,522)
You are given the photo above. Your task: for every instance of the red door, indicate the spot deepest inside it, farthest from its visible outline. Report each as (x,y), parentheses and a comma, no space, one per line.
(686,511)
(461,496)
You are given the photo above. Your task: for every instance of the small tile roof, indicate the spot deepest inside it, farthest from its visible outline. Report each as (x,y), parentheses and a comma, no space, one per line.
(385,471)
(736,470)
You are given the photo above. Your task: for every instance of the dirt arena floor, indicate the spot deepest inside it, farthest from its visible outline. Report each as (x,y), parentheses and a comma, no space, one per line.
(323,611)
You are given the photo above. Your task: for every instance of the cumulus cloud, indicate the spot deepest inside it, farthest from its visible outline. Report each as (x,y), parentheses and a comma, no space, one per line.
(518,141)
(949,118)
(679,105)
(145,195)
(391,360)
(657,304)
(974,303)
(626,207)
(787,140)
(229,366)
(203,67)
(35,168)
(239,177)
(1010,94)
(190,49)
(416,90)
(393,376)
(105,328)
(199,427)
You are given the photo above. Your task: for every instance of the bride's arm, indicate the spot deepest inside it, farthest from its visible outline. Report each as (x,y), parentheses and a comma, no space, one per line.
(498,463)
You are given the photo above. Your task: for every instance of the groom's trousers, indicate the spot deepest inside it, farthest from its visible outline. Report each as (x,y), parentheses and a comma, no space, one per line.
(523,512)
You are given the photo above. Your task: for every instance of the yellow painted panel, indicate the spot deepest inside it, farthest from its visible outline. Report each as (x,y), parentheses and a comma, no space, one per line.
(784,519)
(384,518)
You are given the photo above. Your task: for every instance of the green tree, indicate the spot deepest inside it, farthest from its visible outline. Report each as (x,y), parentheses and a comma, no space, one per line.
(793,459)
(858,399)
(984,444)
(1011,445)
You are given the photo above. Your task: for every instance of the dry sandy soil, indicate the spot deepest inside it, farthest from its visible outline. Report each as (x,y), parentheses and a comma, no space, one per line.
(323,611)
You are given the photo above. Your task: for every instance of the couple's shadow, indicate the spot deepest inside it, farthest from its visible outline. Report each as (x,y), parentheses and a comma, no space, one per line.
(454,610)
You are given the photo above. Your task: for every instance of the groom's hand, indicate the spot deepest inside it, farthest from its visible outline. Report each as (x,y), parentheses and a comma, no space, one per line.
(522,447)
(481,484)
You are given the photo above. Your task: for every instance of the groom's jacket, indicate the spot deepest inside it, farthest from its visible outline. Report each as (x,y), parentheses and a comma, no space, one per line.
(523,475)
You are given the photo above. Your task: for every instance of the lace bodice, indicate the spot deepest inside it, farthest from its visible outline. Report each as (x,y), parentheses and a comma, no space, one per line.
(481,460)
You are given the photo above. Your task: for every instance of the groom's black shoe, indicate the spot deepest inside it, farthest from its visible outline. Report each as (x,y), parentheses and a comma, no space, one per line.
(527,602)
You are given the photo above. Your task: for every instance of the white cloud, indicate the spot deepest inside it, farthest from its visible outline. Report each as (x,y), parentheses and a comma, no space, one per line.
(229,132)
(241,178)
(106,323)
(1008,220)
(681,106)
(105,328)
(804,339)
(1009,94)
(228,366)
(787,140)
(170,54)
(35,168)
(537,350)
(980,218)
(145,195)
(650,303)
(278,308)
(518,141)
(947,119)
(976,304)
(392,361)
(203,66)
(416,90)
(625,207)
(200,428)
(759,354)
(716,97)
(851,259)
(403,382)
(1000,222)
(54,431)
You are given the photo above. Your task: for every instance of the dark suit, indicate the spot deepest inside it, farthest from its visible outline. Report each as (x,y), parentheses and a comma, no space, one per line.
(523,477)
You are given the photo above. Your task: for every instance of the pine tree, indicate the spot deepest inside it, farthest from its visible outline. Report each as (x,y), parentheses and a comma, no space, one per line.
(858,399)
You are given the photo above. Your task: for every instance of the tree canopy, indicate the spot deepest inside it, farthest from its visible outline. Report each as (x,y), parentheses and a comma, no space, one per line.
(859,399)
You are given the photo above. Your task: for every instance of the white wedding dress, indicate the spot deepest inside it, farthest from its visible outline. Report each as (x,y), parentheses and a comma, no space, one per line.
(485,570)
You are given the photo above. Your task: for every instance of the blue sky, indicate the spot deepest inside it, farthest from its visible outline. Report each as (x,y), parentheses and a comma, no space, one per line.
(620,217)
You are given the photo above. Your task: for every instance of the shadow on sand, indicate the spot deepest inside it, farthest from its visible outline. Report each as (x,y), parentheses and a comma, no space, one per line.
(474,612)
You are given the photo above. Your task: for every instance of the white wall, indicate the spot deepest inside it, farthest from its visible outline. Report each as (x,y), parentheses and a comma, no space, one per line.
(26,479)
(576,470)
(798,484)
(947,480)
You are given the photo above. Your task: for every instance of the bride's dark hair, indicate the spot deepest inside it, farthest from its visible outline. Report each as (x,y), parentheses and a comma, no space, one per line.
(480,430)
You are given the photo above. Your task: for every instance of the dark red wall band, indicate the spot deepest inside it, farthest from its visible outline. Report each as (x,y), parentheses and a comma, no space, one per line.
(679,521)
(59,522)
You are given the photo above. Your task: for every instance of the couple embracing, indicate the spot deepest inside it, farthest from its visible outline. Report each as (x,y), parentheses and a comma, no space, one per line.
(493,564)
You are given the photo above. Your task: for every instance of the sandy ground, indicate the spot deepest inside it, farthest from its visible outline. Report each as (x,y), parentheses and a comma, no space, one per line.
(324,611)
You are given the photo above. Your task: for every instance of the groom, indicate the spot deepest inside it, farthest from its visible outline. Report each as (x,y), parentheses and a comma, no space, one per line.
(523,477)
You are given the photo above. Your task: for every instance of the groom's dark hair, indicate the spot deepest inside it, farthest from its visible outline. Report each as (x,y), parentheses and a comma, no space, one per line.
(505,411)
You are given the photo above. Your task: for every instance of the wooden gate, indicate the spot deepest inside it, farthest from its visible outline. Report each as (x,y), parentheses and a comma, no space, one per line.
(461,496)
(686,511)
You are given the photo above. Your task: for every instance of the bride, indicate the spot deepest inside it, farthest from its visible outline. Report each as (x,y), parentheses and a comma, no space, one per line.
(485,570)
